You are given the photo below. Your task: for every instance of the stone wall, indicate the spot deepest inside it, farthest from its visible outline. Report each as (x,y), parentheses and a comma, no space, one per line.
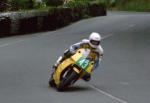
(5,25)
(18,23)
(21,22)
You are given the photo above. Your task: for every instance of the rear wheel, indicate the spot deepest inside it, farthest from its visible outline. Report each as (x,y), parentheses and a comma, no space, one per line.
(68,77)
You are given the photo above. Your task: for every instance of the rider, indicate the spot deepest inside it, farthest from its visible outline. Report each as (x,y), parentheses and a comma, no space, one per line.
(92,43)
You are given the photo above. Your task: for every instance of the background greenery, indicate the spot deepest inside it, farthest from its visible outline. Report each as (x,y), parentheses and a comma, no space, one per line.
(129,5)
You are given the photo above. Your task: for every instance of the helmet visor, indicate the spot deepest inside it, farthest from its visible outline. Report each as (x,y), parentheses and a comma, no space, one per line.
(95,42)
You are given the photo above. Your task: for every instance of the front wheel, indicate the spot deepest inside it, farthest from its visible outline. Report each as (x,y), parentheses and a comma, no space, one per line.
(69,77)
(52,82)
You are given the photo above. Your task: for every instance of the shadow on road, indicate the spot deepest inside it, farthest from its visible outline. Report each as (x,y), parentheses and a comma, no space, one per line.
(77,89)
(74,89)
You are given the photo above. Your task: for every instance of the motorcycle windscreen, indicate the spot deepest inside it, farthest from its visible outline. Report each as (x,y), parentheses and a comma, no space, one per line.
(85,53)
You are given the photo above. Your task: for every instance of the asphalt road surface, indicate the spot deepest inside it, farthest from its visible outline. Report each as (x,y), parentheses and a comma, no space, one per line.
(124,75)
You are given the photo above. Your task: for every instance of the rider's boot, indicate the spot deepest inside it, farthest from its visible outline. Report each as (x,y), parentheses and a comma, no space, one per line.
(86,77)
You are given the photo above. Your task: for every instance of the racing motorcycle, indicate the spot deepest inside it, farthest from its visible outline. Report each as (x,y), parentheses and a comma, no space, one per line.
(73,69)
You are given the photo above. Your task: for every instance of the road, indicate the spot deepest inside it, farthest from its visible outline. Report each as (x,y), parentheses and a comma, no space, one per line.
(123,77)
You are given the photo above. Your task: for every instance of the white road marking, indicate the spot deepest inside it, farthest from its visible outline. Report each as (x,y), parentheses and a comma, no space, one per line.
(107,36)
(103,92)
(15,42)
(125,83)
(107,94)
(131,25)
(11,43)
(3,45)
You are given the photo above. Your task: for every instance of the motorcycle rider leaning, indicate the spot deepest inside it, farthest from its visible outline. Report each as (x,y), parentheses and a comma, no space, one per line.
(92,43)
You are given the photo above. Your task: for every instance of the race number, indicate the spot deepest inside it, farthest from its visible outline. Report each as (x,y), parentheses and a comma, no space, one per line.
(83,63)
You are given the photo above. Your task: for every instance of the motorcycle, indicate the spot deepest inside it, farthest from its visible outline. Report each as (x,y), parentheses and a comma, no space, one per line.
(73,69)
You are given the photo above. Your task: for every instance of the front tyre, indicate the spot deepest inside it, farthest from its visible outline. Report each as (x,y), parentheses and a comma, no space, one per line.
(69,77)
(52,82)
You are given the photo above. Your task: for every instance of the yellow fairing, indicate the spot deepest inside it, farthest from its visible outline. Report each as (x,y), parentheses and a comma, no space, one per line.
(71,61)
(60,68)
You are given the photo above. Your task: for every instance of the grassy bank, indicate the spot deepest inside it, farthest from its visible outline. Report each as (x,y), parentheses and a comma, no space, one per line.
(128,5)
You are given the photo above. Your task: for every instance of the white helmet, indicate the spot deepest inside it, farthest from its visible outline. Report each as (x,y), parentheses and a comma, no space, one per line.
(94,39)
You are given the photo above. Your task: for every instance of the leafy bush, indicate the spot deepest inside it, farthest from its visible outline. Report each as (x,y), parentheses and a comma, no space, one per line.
(129,5)
(134,5)
(53,2)
(88,7)
(4,5)
(81,6)
(22,4)
(40,5)
(77,4)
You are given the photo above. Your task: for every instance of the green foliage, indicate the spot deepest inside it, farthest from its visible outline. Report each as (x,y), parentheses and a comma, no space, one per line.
(40,5)
(81,6)
(128,5)
(22,4)
(135,5)
(53,2)
(52,10)
(84,3)
(4,6)
(77,4)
